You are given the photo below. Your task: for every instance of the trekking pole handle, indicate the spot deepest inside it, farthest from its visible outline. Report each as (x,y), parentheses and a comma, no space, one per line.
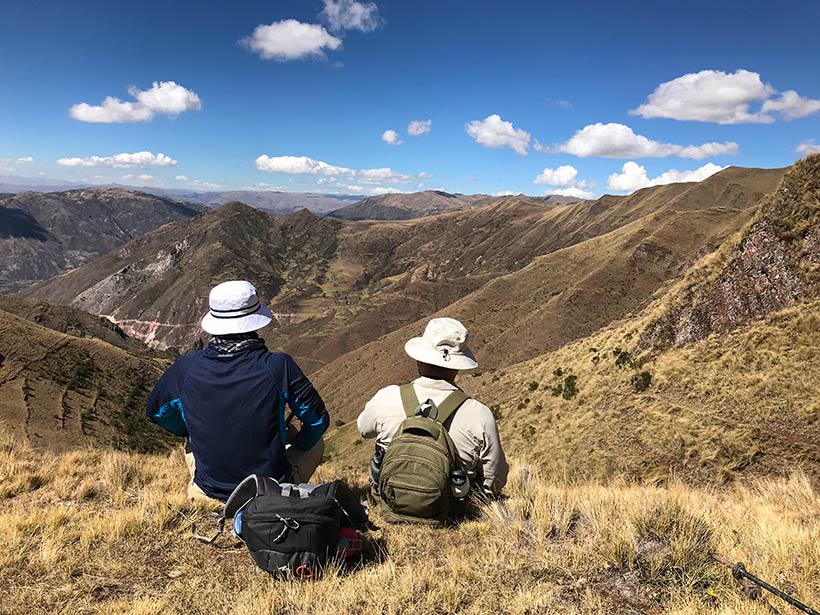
(739,571)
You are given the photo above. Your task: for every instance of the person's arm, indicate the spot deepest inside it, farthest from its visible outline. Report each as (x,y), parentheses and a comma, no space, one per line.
(367,422)
(165,404)
(305,403)
(493,462)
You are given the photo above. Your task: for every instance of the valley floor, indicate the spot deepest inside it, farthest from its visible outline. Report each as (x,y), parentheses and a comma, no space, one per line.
(91,532)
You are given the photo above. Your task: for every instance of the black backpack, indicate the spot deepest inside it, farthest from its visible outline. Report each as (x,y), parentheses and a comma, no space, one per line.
(294,530)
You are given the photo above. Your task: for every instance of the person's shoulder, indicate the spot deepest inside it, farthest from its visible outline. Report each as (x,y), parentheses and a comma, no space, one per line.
(186,360)
(274,357)
(389,392)
(477,409)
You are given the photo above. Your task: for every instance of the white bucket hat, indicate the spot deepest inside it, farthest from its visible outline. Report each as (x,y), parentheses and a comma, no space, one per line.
(444,343)
(234,308)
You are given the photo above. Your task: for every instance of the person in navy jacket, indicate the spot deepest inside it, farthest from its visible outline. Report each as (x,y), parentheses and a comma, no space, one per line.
(230,399)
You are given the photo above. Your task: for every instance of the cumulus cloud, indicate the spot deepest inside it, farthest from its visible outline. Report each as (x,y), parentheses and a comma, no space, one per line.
(351,15)
(561,177)
(634,176)
(302,165)
(419,127)
(620,141)
(290,40)
(207,185)
(792,105)
(574,191)
(504,193)
(493,131)
(809,147)
(709,96)
(165,97)
(181,178)
(723,98)
(381,190)
(24,160)
(144,177)
(391,137)
(137,159)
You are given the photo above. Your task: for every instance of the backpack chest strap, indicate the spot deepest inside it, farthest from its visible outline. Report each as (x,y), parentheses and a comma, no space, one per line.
(446,408)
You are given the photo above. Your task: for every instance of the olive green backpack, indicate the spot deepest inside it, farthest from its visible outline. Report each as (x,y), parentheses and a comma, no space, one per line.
(414,483)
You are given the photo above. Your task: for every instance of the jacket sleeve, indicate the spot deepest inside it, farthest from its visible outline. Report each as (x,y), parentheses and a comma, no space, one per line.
(304,401)
(165,402)
(368,421)
(493,461)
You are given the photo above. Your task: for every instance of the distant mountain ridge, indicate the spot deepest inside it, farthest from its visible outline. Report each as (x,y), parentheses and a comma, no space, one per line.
(427,203)
(524,275)
(44,234)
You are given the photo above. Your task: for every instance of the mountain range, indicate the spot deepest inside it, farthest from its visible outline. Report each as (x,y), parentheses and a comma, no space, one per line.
(44,234)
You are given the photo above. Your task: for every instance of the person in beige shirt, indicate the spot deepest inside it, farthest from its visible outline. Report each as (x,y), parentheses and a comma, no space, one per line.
(441,353)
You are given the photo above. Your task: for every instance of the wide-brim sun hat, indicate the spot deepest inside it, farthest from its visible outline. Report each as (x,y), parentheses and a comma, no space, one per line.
(235,308)
(444,344)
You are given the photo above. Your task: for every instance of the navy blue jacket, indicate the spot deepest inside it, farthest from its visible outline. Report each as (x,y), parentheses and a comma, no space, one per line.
(232,408)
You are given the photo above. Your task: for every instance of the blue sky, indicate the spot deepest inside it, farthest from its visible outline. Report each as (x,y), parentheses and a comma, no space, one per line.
(586,98)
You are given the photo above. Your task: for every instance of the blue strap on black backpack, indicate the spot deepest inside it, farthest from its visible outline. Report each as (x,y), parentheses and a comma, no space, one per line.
(293,530)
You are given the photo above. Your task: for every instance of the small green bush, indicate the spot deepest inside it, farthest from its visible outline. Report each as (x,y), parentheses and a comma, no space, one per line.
(533,386)
(641,381)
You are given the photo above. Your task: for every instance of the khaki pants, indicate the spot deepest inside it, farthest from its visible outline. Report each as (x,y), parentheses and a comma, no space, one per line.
(303,463)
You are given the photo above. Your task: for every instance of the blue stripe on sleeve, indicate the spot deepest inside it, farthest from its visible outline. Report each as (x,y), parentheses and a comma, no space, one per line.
(171,417)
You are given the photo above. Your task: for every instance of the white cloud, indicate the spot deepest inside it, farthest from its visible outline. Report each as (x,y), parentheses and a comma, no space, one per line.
(380,190)
(709,96)
(325,180)
(137,159)
(620,141)
(391,137)
(351,15)
(207,185)
(302,165)
(181,178)
(299,165)
(385,176)
(809,147)
(561,177)
(355,188)
(419,127)
(633,176)
(144,177)
(504,193)
(24,160)
(165,97)
(723,98)
(111,111)
(574,191)
(792,105)
(290,40)
(492,131)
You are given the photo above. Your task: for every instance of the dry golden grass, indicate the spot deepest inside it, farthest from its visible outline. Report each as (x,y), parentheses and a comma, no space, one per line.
(746,402)
(90,532)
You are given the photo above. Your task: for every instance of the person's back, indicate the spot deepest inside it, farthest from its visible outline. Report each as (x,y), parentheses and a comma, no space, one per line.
(229,399)
(440,354)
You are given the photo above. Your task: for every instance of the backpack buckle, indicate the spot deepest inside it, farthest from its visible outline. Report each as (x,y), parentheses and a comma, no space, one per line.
(428,409)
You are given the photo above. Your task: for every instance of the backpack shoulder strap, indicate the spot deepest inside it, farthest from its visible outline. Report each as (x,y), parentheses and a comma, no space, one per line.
(451,403)
(409,399)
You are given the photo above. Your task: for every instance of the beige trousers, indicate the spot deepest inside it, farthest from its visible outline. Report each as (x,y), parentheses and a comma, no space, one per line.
(304,464)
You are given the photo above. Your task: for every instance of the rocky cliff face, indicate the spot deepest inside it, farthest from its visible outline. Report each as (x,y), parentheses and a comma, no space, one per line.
(44,234)
(774,263)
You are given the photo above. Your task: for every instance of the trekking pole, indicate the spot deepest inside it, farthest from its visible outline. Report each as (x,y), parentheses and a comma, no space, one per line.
(739,572)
